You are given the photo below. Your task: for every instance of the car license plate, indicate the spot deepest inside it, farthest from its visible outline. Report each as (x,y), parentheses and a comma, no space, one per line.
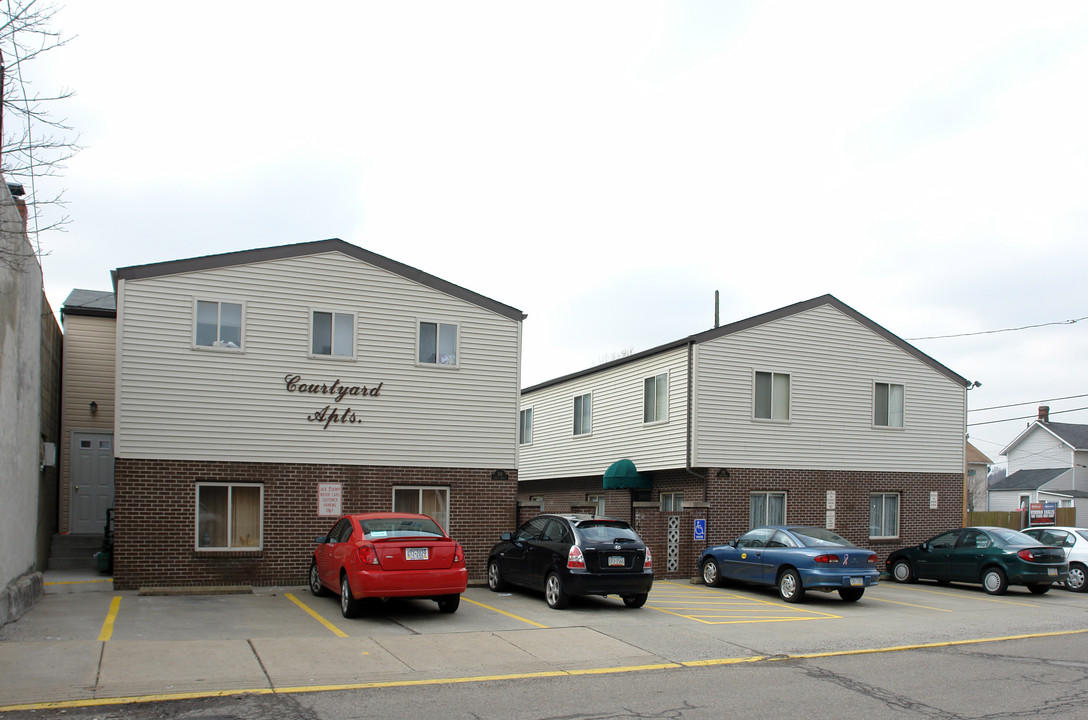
(1052,571)
(616,561)
(855,581)
(415,553)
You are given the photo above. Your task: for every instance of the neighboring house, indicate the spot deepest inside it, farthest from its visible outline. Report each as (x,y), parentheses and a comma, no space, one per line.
(259,394)
(978,471)
(1048,462)
(30,347)
(811,414)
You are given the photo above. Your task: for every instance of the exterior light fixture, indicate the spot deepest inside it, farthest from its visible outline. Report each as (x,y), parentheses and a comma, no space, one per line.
(94,407)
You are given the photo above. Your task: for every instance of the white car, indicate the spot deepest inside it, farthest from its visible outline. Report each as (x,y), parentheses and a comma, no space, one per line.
(1075,543)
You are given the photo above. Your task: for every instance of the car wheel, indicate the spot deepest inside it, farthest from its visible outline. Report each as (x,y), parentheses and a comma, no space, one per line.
(349,606)
(494,577)
(789,587)
(316,588)
(851,594)
(1075,580)
(1039,589)
(554,593)
(902,572)
(712,574)
(449,603)
(994,581)
(635,601)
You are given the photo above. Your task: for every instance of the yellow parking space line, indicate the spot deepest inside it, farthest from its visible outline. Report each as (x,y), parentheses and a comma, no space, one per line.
(335,630)
(503,612)
(984,599)
(896,602)
(111,617)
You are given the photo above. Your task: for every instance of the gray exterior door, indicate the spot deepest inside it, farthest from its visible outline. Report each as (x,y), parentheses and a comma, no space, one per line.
(92,481)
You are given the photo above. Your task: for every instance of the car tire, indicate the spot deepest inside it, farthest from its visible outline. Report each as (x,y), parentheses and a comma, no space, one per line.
(789,586)
(635,601)
(449,603)
(349,606)
(851,594)
(554,594)
(902,572)
(316,588)
(494,577)
(1075,580)
(994,581)
(712,573)
(1039,589)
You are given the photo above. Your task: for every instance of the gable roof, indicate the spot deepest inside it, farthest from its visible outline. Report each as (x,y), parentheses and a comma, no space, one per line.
(1072,434)
(90,303)
(974,455)
(762,319)
(1029,479)
(280,252)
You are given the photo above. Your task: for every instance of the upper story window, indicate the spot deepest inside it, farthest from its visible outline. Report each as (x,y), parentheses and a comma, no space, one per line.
(772,396)
(888,405)
(583,414)
(219,324)
(332,334)
(525,427)
(437,343)
(655,399)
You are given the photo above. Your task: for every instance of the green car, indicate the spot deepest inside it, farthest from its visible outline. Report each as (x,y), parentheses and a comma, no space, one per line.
(993,556)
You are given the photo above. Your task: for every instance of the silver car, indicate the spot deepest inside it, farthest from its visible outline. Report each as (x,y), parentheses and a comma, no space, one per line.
(1075,543)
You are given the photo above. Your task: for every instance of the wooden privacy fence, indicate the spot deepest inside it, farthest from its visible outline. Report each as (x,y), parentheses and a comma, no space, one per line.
(1017,519)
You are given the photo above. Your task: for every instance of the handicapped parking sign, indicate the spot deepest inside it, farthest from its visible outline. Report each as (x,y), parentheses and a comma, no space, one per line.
(700,529)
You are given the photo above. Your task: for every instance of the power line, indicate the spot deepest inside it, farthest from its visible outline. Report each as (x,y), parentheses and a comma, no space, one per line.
(991,332)
(1029,402)
(1026,417)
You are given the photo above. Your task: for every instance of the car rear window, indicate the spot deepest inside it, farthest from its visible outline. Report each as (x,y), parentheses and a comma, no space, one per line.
(400,527)
(814,537)
(606,530)
(1012,537)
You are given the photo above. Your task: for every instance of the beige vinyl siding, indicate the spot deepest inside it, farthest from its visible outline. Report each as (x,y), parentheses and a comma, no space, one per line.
(618,430)
(186,403)
(833,363)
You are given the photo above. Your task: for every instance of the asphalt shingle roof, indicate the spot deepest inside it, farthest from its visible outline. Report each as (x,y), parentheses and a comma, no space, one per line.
(1029,479)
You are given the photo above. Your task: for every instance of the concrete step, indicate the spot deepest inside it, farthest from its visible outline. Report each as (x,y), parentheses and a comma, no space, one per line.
(74,552)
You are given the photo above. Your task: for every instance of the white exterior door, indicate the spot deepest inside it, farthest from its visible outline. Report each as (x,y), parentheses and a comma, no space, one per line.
(92,481)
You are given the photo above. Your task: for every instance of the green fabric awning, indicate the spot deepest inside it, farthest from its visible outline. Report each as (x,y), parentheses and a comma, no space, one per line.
(622,475)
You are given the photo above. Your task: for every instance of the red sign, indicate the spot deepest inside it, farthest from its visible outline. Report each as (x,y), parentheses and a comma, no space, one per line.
(1042,513)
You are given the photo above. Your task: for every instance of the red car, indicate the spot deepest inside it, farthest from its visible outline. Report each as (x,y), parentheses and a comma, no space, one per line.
(388,555)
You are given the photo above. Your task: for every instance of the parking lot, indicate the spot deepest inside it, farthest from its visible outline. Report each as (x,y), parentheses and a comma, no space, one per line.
(95,646)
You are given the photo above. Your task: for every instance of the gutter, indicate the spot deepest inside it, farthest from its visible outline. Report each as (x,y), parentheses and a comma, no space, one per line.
(687,462)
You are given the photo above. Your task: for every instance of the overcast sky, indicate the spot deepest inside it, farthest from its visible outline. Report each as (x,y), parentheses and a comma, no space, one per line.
(606,166)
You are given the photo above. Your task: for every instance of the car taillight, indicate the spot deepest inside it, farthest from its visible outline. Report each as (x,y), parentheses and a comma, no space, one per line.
(648,564)
(458,555)
(826,559)
(871,560)
(368,555)
(1028,555)
(575,560)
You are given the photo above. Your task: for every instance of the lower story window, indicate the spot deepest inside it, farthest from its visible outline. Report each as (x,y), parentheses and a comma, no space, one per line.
(598,502)
(672,502)
(431,501)
(767,508)
(228,517)
(884,515)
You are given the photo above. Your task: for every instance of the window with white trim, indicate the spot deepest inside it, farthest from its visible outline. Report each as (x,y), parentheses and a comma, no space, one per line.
(884,515)
(431,501)
(772,396)
(218,325)
(598,502)
(655,399)
(437,343)
(525,427)
(888,402)
(229,516)
(672,501)
(332,334)
(767,508)
(583,414)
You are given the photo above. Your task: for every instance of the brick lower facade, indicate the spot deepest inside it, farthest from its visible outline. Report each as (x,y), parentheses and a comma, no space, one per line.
(726,504)
(155,517)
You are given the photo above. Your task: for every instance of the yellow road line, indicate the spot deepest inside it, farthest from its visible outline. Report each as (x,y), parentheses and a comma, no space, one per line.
(111,616)
(896,602)
(76,582)
(503,612)
(335,630)
(132,699)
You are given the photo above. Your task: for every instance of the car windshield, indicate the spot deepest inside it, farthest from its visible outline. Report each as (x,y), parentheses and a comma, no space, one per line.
(1083,534)
(376,529)
(1011,537)
(815,537)
(607,531)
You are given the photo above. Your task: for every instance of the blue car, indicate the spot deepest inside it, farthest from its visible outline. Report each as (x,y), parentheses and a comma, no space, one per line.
(794,559)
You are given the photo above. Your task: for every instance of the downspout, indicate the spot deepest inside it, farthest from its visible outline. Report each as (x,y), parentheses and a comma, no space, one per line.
(687,465)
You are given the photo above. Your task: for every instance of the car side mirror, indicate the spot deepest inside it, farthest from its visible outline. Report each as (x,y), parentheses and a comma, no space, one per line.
(506,536)
(320,540)
(925,546)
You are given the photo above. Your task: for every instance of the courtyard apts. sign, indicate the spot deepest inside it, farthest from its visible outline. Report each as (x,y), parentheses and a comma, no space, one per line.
(332,412)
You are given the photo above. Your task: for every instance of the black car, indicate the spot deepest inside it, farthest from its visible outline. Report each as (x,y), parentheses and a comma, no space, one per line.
(577,554)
